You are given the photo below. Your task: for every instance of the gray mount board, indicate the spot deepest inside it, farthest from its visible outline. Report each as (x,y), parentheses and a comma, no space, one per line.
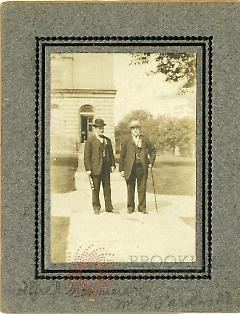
(25,291)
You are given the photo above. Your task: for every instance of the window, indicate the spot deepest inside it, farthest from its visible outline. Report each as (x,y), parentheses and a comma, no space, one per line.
(86,109)
(90,124)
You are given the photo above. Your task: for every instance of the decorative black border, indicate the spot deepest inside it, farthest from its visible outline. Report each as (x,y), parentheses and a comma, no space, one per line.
(204,42)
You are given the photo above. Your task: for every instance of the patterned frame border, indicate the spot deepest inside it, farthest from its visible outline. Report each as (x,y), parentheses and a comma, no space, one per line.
(204,42)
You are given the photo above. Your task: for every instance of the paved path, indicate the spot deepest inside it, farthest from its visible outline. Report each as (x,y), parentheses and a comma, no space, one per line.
(123,237)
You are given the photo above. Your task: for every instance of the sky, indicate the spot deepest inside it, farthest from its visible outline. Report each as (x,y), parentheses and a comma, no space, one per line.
(137,90)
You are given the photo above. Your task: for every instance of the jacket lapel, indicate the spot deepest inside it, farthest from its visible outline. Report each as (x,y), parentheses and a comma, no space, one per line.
(96,141)
(132,140)
(97,144)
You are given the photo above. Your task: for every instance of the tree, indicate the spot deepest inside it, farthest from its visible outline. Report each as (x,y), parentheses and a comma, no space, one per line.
(122,129)
(176,133)
(166,133)
(186,142)
(175,66)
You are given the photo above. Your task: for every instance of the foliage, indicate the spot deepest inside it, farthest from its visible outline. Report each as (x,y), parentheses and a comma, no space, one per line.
(175,133)
(175,66)
(167,134)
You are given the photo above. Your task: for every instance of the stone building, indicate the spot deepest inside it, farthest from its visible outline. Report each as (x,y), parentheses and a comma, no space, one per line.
(82,90)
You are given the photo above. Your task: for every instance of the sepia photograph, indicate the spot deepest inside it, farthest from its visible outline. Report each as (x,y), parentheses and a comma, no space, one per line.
(120,144)
(123,157)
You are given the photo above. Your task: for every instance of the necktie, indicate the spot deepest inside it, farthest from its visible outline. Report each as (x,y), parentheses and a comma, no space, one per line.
(104,145)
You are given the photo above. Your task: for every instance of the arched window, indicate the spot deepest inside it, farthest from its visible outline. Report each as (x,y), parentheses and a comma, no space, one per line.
(86,109)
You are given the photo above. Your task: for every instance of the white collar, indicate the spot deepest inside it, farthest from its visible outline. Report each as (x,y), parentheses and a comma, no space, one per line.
(136,140)
(101,139)
(136,136)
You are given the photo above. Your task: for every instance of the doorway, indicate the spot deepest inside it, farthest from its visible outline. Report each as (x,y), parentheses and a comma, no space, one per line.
(86,122)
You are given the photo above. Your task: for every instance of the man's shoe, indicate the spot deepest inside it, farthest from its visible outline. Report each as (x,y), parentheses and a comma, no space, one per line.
(130,211)
(111,211)
(143,211)
(96,211)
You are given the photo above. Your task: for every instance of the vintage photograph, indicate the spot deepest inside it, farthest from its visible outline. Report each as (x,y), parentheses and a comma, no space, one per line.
(123,157)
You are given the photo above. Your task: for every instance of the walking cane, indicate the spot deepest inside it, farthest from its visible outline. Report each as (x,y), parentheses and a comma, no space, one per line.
(154,190)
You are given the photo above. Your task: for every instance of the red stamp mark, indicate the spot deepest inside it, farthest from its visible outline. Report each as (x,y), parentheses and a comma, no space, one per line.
(90,262)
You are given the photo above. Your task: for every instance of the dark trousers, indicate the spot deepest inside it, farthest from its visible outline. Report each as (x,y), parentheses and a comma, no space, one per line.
(103,178)
(140,175)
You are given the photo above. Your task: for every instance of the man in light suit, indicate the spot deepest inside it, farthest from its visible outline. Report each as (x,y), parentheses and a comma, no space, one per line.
(99,161)
(136,156)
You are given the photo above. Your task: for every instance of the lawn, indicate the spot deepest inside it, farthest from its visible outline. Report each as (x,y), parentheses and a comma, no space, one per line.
(59,234)
(173,176)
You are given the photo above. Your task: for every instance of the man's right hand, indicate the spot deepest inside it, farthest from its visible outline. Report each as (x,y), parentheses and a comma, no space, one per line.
(122,173)
(89,172)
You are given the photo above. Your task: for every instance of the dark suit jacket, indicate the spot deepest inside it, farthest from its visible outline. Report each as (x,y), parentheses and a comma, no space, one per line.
(93,155)
(147,155)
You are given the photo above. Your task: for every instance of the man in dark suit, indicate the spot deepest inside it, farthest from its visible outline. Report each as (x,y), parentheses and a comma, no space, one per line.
(137,155)
(99,161)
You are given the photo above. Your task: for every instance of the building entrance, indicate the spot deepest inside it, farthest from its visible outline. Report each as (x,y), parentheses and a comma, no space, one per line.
(86,122)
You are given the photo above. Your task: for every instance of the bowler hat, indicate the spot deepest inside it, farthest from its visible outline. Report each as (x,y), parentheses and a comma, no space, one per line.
(99,123)
(135,124)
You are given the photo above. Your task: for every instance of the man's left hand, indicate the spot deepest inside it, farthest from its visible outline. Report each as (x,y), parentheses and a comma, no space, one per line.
(150,165)
(112,169)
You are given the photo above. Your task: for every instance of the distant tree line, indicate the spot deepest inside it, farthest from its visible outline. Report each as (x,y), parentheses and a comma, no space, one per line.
(169,135)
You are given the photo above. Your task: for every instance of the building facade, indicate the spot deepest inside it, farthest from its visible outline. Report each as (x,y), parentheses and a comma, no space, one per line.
(82,90)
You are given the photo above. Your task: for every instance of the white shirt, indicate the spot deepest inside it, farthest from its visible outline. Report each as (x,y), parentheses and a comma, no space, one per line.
(99,138)
(137,141)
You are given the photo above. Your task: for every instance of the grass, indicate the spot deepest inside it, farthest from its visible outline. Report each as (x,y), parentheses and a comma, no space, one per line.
(59,233)
(173,176)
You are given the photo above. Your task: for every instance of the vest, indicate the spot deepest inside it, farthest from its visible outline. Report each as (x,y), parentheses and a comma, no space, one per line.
(137,155)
